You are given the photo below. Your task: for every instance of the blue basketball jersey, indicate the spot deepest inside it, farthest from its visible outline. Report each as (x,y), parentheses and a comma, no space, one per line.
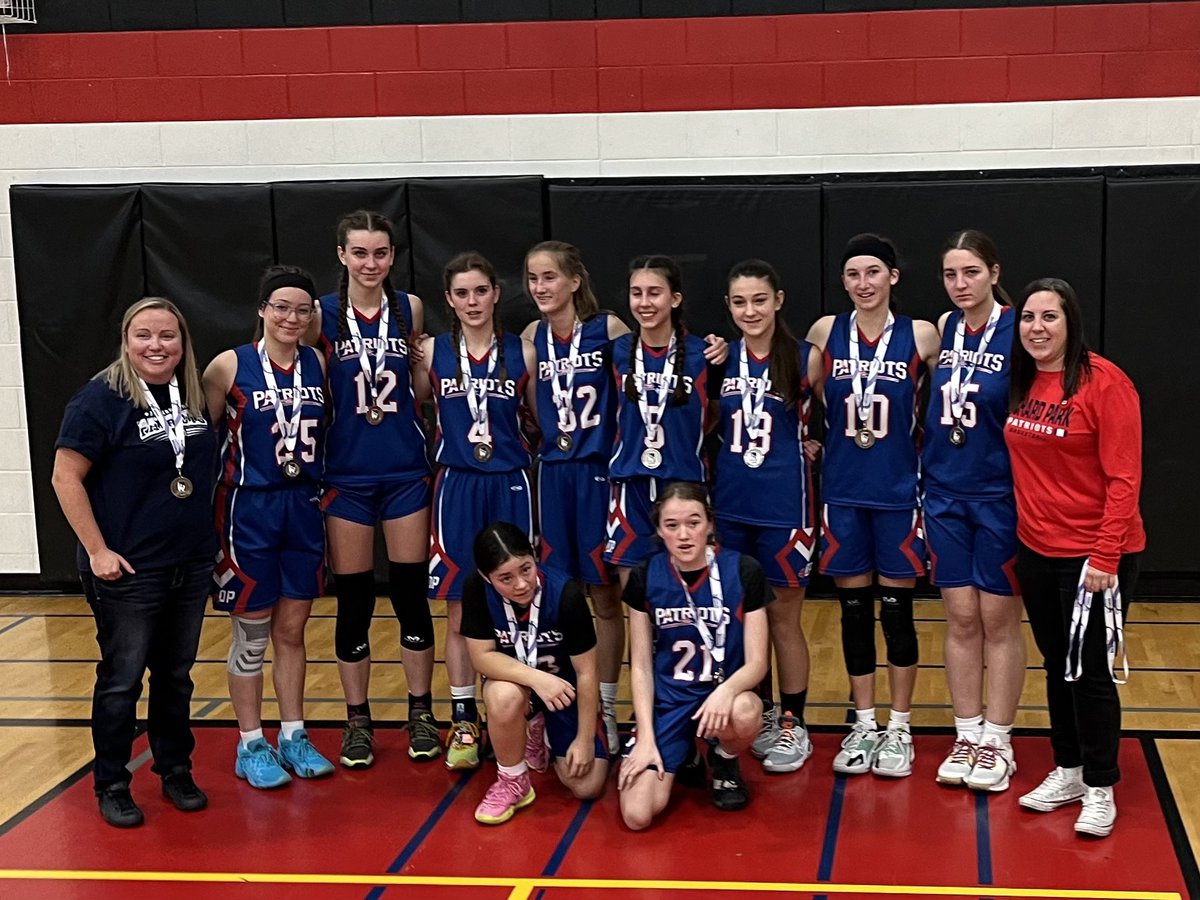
(980,467)
(253,447)
(682,666)
(779,492)
(683,427)
(552,654)
(357,452)
(593,422)
(884,476)
(457,433)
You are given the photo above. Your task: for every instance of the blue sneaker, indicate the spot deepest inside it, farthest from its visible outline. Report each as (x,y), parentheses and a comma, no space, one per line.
(299,756)
(259,765)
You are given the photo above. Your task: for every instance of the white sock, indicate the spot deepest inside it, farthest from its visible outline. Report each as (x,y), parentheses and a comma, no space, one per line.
(970,728)
(866,717)
(898,720)
(248,737)
(1000,735)
(1075,773)
(462,692)
(513,771)
(725,754)
(608,694)
(287,730)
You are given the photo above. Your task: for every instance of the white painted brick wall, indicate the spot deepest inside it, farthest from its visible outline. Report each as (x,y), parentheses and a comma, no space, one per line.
(740,142)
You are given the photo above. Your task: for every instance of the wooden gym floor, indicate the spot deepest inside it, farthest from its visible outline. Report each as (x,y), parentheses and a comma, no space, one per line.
(405,830)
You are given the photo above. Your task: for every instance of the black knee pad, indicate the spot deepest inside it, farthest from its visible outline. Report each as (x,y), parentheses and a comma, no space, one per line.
(899,633)
(858,629)
(408,588)
(355,607)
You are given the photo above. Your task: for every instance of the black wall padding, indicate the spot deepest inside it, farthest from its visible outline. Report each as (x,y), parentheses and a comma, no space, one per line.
(79,265)
(206,248)
(306,214)
(706,228)
(1043,227)
(499,217)
(1151,322)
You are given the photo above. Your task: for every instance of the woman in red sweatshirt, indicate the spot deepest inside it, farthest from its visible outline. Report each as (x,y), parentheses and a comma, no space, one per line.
(1074,431)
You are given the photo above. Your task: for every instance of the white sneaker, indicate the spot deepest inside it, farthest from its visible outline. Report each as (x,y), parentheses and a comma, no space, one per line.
(895,755)
(958,764)
(768,734)
(1099,812)
(994,765)
(858,750)
(1058,789)
(791,749)
(609,713)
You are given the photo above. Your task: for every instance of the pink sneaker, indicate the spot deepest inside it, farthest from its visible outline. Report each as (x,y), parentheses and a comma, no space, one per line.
(504,798)
(537,754)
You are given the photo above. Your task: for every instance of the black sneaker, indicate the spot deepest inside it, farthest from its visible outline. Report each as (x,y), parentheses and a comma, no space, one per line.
(424,739)
(180,789)
(358,737)
(728,789)
(691,773)
(118,808)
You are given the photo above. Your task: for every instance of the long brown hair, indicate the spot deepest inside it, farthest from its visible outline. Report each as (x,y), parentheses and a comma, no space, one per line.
(472,261)
(570,263)
(1077,368)
(121,376)
(976,242)
(366,220)
(669,270)
(784,366)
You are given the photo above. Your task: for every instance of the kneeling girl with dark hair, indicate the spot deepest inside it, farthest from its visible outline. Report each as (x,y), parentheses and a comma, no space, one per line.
(698,649)
(530,635)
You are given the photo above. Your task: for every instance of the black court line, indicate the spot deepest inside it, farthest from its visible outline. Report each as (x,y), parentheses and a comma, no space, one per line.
(54,792)
(1170,809)
(11,625)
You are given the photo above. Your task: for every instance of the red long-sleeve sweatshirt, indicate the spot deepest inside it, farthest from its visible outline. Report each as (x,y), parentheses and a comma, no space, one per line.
(1077,466)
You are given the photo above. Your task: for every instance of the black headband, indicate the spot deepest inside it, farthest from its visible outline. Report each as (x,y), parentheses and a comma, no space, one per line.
(869,245)
(286,279)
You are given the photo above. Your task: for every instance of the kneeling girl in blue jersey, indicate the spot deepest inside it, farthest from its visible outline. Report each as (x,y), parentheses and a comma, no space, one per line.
(698,649)
(269,397)
(530,635)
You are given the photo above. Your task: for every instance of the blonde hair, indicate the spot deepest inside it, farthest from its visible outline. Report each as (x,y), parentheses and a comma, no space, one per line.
(121,376)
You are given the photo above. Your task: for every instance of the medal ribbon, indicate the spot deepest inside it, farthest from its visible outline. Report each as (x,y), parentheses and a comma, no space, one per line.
(863,395)
(1114,630)
(562,391)
(959,380)
(372,372)
(477,400)
(289,428)
(174,427)
(652,418)
(713,643)
(525,645)
(752,405)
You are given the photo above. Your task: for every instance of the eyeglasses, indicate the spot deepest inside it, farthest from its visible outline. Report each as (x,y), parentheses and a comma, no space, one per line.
(282,311)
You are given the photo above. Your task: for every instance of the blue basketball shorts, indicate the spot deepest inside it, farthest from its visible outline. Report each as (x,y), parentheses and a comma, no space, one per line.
(572,504)
(857,539)
(972,543)
(784,553)
(463,503)
(367,504)
(272,545)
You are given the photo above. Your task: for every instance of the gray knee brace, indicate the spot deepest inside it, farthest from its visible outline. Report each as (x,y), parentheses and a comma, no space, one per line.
(248,648)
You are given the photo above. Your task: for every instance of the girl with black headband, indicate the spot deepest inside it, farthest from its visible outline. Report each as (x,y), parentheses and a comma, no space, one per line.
(868,377)
(269,396)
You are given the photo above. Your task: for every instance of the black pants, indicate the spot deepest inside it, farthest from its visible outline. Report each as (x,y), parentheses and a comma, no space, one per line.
(1085,715)
(150,620)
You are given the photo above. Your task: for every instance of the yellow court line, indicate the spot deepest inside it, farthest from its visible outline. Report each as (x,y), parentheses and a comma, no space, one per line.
(522,887)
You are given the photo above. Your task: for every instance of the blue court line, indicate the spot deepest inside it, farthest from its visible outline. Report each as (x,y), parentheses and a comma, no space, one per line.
(983,839)
(829,847)
(417,839)
(11,625)
(565,842)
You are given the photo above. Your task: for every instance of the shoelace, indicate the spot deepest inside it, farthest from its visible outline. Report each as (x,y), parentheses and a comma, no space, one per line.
(422,727)
(963,751)
(893,742)
(466,732)
(787,737)
(1097,802)
(507,787)
(358,738)
(987,756)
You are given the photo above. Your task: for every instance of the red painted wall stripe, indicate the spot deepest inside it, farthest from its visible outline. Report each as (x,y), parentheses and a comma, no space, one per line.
(867,59)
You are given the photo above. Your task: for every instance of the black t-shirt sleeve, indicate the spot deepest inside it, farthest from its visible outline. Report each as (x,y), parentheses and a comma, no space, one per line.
(716,375)
(634,595)
(575,621)
(754,583)
(85,427)
(476,620)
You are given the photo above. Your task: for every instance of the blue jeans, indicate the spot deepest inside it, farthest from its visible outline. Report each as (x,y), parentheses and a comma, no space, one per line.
(150,620)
